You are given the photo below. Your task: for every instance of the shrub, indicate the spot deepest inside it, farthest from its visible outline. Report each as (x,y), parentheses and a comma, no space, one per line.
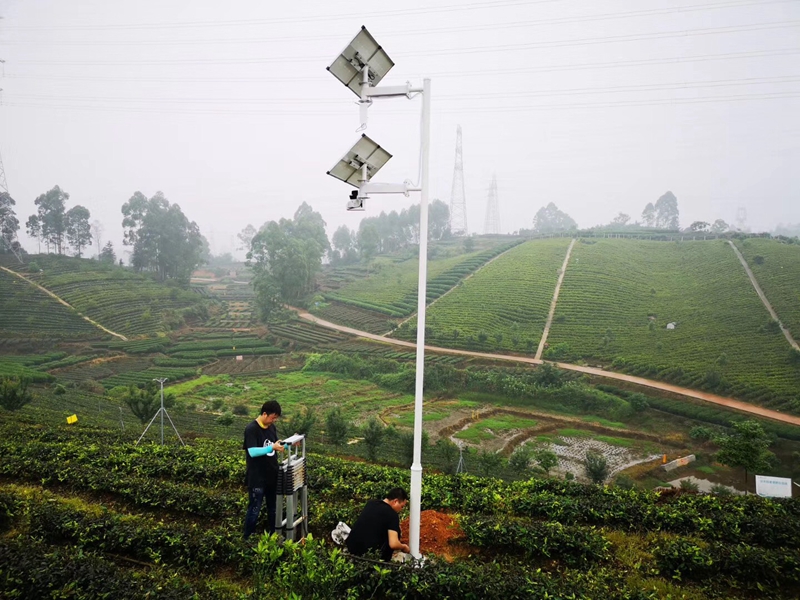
(596,466)
(373,437)
(520,459)
(689,485)
(336,426)
(241,410)
(302,421)
(226,419)
(14,393)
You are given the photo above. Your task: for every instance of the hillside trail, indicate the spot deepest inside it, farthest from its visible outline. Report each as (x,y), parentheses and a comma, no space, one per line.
(763,297)
(641,381)
(435,300)
(553,304)
(64,302)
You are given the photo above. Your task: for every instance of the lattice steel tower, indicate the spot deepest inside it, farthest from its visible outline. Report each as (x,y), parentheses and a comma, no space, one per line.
(492,224)
(458,199)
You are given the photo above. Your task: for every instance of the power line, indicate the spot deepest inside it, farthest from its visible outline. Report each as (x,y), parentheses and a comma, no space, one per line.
(444,110)
(406,33)
(447,51)
(275,21)
(448,74)
(488,96)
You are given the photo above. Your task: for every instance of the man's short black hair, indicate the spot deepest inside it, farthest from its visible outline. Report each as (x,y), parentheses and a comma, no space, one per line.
(271,407)
(397,494)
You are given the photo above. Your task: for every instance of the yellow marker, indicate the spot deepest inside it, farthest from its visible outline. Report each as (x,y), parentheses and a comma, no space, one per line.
(72,419)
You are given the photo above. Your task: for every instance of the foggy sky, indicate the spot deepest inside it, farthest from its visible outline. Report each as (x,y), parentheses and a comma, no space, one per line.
(228,109)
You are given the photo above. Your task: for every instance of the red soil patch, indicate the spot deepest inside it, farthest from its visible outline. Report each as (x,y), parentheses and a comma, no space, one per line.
(439,534)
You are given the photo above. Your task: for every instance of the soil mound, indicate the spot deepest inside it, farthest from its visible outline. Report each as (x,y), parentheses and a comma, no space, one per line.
(439,534)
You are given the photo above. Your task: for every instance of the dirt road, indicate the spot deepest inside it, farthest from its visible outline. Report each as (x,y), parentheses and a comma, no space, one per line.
(763,297)
(553,304)
(658,385)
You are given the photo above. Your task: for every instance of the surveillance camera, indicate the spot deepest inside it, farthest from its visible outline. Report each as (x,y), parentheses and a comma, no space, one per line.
(355,203)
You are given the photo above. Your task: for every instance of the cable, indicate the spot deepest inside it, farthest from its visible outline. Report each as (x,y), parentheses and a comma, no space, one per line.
(441,74)
(467,50)
(460,110)
(460,97)
(416,31)
(309,19)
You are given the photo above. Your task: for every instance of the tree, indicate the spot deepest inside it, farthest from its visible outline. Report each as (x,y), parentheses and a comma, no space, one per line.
(546,459)
(107,254)
(246,236)
(287,255)
(164,241)
(34,229)
(438,220)
(720,226)
(667,214)
(746,447)
(489,462)
(14,393)
(596,466)
(469,244)
(368,240)
(373,437)
(551,220)
(336,427)
(144,402)
(77,228)
(449,453)
(302,421)
(621,219)
(9,224)
(97,235)
(520,459)
(52,217)
(344,245)
(700,226)
(649,215)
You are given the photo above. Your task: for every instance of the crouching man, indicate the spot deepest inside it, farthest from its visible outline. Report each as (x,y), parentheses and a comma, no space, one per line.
(377,528)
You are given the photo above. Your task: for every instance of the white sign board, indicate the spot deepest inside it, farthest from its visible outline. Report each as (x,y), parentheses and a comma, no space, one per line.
(773,487)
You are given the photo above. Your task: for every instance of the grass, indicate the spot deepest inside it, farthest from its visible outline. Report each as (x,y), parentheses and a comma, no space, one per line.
(604,422)
(487,429)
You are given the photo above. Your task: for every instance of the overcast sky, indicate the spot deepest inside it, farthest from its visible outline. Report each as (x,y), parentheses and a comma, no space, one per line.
(227,107)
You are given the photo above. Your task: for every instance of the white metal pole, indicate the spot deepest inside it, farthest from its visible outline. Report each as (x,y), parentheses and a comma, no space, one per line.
(416,465)
(162,413)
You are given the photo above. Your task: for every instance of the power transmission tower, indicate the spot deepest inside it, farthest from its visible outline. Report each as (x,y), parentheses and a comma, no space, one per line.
(492,224)
(741,218)
(458,199)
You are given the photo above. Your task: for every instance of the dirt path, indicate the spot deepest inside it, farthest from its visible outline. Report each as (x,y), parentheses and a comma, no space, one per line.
(763,297)
(552,312)
(52,295)
(658,385)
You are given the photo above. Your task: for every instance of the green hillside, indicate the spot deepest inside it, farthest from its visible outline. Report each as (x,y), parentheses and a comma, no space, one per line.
(26,311)
(776,266)
(507,301)
(117,298)
(392,288)
(618,297)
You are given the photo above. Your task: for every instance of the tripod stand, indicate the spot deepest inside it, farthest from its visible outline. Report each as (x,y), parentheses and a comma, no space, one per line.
(161,411)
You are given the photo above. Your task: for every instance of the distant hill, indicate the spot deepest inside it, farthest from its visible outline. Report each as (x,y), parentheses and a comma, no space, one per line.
(616,301)
(117,298)
(28,312)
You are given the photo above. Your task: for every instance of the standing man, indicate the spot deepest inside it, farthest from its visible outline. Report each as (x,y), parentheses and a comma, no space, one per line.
(378,526)
(260,443)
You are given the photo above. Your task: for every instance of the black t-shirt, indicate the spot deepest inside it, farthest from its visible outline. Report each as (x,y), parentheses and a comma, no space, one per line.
(262,471)
(371,529)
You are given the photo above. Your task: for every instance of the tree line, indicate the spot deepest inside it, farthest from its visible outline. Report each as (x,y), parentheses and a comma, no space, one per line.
(163,240)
